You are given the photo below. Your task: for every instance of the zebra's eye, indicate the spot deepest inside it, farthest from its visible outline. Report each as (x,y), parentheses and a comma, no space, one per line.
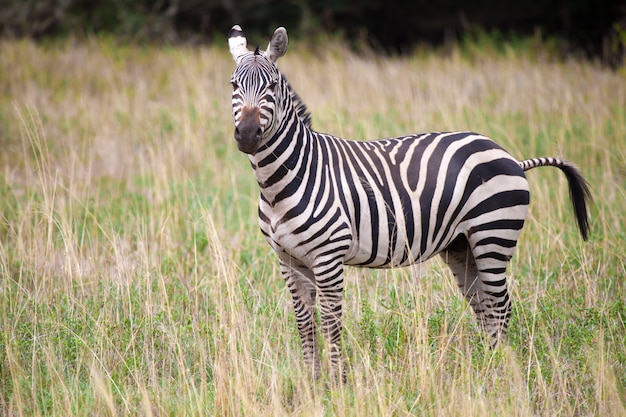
(273,85)
(234,84)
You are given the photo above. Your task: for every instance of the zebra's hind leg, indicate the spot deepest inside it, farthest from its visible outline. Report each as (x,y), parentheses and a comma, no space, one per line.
(461,261)
(303,291)
(482,282)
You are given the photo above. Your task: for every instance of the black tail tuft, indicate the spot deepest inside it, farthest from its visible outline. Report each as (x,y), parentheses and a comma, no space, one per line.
(578,188)
(580,194)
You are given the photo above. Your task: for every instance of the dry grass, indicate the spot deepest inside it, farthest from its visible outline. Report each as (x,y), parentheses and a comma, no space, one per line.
(135,281)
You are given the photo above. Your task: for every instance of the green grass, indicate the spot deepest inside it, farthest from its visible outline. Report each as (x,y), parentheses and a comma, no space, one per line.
(134,280)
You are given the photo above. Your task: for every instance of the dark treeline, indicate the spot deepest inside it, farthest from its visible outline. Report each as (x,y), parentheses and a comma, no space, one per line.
(596,27)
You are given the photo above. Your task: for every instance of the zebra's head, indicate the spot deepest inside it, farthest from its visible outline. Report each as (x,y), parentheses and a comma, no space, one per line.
(257,88)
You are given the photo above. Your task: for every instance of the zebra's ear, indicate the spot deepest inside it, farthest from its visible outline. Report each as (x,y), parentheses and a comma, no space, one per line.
(278,45)
(237,42)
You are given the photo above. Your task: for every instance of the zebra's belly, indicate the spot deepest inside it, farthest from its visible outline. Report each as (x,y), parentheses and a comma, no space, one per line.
(357,252)
(389,253)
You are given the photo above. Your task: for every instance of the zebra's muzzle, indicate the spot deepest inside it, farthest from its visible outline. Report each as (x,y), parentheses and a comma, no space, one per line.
(248,133)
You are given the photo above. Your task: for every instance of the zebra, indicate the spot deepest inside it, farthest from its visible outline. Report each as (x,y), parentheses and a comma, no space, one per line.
(327,202)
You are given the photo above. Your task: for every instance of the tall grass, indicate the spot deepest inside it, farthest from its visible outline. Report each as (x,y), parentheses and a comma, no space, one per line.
(134,280)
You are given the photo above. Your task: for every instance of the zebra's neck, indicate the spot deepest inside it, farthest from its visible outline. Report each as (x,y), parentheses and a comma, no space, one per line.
(277,163)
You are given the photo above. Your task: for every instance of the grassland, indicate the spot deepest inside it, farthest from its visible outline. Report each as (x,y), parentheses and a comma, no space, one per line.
(134,280)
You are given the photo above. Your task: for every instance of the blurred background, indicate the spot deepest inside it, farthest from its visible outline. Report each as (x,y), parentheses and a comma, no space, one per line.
(594,28)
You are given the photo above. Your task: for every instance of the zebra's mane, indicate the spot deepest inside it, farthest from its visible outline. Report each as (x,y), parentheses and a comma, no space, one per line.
(299,105)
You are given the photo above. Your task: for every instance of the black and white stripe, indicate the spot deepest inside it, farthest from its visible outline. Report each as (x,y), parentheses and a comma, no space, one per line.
(326,202)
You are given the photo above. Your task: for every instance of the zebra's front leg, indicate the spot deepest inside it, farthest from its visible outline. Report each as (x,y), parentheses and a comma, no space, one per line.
(329,281)
(300,284)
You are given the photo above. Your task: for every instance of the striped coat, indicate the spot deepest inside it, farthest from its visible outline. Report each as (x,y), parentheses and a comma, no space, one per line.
(327,202)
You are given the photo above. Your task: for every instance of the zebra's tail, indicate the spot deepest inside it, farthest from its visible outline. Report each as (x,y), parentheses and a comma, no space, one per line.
(578,187)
